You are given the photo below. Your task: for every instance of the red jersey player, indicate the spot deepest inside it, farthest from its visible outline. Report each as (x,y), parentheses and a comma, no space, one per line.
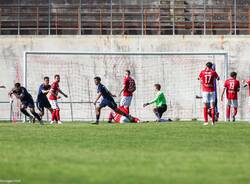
(208,77)
(53,96)
(118,118)
(232,87)
(128,88)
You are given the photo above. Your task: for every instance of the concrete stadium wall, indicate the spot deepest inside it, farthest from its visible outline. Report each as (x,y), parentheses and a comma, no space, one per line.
(12,48)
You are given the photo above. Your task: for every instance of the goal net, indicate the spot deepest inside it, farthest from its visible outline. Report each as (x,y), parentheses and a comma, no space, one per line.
(176,72)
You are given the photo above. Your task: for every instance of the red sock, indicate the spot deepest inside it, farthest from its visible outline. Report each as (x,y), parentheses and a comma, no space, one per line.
(110,116)
(53,116)
(58,114)
(205,114)
(228,112)
(213,114)
(235,111)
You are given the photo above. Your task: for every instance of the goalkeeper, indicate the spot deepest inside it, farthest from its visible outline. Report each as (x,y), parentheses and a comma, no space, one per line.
(160,102)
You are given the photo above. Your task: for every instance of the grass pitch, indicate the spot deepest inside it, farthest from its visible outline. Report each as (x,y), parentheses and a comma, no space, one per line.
(124,154)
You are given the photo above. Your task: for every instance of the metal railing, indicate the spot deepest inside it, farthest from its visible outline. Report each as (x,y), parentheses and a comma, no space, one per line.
(110,18)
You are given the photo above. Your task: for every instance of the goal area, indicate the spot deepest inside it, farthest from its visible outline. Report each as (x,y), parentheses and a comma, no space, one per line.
(177,72)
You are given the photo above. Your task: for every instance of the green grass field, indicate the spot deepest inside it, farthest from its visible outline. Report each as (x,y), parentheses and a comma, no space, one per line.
(182,152)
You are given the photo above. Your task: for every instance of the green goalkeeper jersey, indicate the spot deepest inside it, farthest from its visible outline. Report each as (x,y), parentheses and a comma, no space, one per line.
(159,99)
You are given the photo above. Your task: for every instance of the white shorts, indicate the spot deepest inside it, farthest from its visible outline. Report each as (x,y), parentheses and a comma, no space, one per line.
(249,100)
(208,97)
(126,101)
(124,120)
(232,103)
(54,104)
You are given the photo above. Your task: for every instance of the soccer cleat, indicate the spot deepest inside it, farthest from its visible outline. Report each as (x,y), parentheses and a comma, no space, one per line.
(51,122)
(96,123)
(205,123)
(213,123)
(59,122)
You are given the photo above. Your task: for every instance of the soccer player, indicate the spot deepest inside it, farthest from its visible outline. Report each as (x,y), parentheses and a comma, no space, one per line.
(118,118)
(42,100)
(26,102)
(232,87)
(128,89)
(107,100)
(208,77)
(217,114)
(160,102)
(53,96)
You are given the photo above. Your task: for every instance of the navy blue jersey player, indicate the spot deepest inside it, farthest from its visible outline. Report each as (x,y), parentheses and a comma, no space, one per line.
(26,102)
(107,100)
(42,100)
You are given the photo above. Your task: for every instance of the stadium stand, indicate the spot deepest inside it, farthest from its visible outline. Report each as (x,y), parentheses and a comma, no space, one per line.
(104,17)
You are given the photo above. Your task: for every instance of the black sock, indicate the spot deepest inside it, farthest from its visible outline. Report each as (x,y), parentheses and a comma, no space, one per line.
(97,118)
(36,116)
(157,115)
(24,111)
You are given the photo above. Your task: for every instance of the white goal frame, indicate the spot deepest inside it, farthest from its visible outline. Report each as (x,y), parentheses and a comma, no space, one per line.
(225,54)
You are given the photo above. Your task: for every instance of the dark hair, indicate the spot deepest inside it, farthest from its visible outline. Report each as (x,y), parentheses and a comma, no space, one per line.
(233,74)
(128,71)
(17,85)
(56,76)
(209,64)
(46,78)
(98,78)
(158,86)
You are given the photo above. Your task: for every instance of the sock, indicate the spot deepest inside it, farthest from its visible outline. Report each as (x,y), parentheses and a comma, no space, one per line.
(205,114)
(53,116)
(24,111)
(127,109)
(36,116)
(228,113)
(213,114)
(110,116)
(58,114)
(97,118)
(157,115)
(235,111)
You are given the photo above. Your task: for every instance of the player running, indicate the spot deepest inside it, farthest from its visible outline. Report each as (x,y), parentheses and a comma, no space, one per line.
(232,87)
(107,100)
(42,100)
(26,102)
(118,118)
(160,102)
(53,96)
(208,77)
(129,88)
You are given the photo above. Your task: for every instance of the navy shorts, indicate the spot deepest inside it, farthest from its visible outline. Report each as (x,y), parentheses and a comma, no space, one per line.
(43,104)
(28,103)
(110,103)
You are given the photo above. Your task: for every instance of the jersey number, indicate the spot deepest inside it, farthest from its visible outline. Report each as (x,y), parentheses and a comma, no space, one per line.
(231,85)
(208,79)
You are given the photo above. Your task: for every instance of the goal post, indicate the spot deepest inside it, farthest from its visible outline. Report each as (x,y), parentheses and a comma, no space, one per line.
(176,71)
